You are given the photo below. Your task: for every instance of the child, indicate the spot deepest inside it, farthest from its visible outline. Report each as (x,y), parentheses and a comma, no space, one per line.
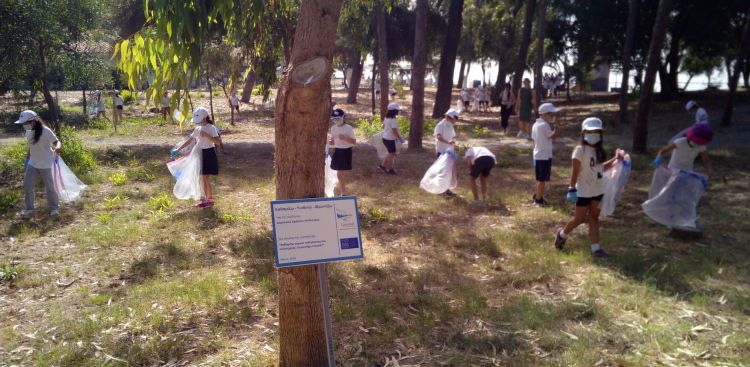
(543,134)
(480,161)
(393,93)
(206,136)
(99,103)
(506,107)
(586,188)
(445,135)
(39,160)
(235,102)
(391,133)
(119,106)
(686,149)
(524,105)
(701,117)
(465,99)
(483,99)
(342,139)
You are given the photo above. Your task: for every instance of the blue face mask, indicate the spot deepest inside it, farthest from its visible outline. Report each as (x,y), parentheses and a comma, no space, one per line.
(592,138)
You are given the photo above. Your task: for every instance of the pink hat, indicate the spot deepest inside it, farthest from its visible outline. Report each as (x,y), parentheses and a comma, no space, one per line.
(700,134)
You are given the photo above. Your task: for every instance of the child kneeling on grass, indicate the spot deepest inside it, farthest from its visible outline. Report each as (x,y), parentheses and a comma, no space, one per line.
(480,161)
(586,184)
(342,139)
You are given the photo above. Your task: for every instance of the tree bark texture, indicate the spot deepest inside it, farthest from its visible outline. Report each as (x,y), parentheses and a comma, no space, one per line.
(461,74)
(523,48)
(419,66)
(640,128)
(351,96)
(448,59)
(301,120)
(247,90)
(627,54)
(541,26)
(726,118)
(383,58)
(48,99)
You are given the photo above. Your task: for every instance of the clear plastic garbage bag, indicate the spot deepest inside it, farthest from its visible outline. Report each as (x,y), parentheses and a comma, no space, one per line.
(660,179)
(377,142)
(186,170)
(614,182)
(675,205)
(67,185)
(331,178)
(187,149)
(475,104)
(441,176)
(459,105)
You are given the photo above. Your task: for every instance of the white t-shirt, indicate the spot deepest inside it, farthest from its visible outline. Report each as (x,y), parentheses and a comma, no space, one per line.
(118,101)
(464,95)
(235,101)
(477,152)
(41,155)
(701,116)
(388,125)
(392,91)
(165,101)
(591,177)
(541,133)
(446,130)
(344,129)
(205,143)
(100,104)
(684,155)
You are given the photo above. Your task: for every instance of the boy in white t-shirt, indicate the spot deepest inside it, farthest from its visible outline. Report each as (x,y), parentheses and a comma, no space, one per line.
(586,188)
(342,139)
(39,161)
(543,134)
(480,161)
(686,150)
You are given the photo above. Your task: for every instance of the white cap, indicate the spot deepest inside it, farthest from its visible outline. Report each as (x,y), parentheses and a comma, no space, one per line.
(26,116)
(689,106)
(97,92)
(547,108)
(394,106)
(592,123)
(199,114)
(116,91)
(452,113)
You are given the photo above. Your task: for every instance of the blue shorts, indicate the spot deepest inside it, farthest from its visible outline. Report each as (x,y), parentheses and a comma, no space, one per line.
(543,170)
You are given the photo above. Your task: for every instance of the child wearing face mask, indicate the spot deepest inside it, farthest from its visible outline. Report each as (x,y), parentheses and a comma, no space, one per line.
(543,133)
(342,139)
(586,188)
(39,161)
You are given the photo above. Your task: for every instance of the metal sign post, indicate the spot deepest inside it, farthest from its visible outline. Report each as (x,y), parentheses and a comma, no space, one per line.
(325,299)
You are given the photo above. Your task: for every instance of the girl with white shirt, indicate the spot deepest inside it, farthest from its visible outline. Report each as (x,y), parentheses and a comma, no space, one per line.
(445,138)
(119,106)
(99,104)
(205,136)
(39,161)
(686,149)
(343,139)
(391,133)
(586,188)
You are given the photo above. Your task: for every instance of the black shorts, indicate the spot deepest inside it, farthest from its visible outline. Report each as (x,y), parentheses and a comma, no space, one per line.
(467,103)
(342,159)
(209,162)
(482,166)
(587,201)
(390,145)
(543,170)
(119,107)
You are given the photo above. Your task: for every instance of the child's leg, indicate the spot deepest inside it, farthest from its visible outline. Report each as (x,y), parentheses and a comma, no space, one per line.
(539,190)
(49,185)
(578,218)
(341,175)
(473,185)
(594,222)
(389,161)
(29,181)
(483,180)
(207,186)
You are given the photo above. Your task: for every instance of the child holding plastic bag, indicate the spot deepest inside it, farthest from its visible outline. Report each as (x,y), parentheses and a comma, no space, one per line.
(441,176)
(39,162)
(391,134)
(193,174)
(586,188)
(342,139)
(445,137)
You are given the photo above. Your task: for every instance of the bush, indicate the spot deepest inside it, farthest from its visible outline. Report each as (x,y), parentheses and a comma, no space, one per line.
(159,203)
(480,131)
(404,125)
(369,127)
(74,153)
(127,96)
(9,200)
(118,179)
(11,162)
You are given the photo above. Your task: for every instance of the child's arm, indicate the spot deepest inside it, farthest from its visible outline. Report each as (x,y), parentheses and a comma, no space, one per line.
(346,138)
(664,151)
(576,164)
(217,140)
(707,163)
(468,162)
(186,143)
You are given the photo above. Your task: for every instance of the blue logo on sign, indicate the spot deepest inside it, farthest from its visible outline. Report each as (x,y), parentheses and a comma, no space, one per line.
(349,243)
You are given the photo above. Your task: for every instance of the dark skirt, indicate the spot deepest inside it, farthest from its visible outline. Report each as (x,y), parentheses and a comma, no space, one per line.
(342,159)
(209,162)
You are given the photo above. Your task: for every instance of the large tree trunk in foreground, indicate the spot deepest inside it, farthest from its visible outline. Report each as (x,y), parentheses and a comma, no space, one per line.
(540,30)
(247,90)
(640,128)
(419,66)
(726,118)
(383,58)
(351,96)
(448,59)
(523,48)
(301,119)
(626,56)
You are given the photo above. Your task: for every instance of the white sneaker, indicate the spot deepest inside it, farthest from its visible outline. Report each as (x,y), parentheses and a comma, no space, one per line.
(54,213)
(27,213)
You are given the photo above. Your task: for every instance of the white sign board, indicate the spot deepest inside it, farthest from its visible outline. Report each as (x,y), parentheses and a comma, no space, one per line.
(314,231)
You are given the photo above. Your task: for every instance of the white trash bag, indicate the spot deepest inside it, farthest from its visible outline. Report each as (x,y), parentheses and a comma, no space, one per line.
(332,179)
(186,170)
(614,182)
(187,149)
(377,142)
(459,105)
(675,205)
(68,186)
(441,176)
(660,179)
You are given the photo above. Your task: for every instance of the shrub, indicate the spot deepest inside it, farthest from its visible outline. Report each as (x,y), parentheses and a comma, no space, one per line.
(127,96)
(118,178)
(429,126)
(160,202)
(9,200)
(74,153)
(11,162)
(369,126)
(480,131)
(9,273)
(404,125)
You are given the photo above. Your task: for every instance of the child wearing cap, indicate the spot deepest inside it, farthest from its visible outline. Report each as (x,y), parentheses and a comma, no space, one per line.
(543,134)
(165,113)
(119,106)
(235,102)
(480,161)
(205,136)
(99,104)
(39,160)
(445,137)
(701,116)
(586,190)
(391,133)
(343,139)
(465,98)
(684,150)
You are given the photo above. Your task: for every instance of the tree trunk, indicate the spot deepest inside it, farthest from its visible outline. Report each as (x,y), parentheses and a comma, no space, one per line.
(247,90)
(461,73)
(372,83)
(301,119)
(85,113)
(541,28)
(499,85)
(640,128)
(356,79)
(726,118)
(383,57)
(669,69)
(418,69)
(48,99)
(210,96)
(523,48)
(448,59)
(626,55)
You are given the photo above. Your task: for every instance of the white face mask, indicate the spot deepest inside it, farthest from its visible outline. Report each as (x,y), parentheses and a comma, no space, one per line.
(27,127)
(553,119)
(592,138)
